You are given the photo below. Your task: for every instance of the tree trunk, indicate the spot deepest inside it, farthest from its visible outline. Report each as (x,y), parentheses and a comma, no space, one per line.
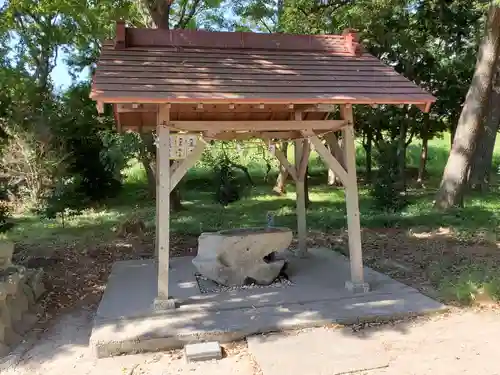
(160,12)
(401,154)
(280,186)
(334,150)
(148,162)
(480,173)
(332,178)
(423,154)
(368,154)
(280,8)
(306,188)
(455,174)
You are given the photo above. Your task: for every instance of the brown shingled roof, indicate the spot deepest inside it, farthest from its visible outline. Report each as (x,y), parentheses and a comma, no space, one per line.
(185,66)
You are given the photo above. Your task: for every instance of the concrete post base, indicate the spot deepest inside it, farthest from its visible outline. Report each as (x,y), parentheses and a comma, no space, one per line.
(160,305)
(357,287)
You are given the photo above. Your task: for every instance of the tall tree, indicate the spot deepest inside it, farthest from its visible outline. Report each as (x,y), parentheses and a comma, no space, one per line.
(167,14)
(455,175)
(481,168)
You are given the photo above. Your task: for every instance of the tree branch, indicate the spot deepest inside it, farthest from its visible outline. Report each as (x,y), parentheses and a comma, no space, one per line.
(182,15)
(185,20)
(412,134)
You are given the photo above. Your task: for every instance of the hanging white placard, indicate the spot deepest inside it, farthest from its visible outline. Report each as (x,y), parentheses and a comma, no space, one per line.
(181,145)
(271,147)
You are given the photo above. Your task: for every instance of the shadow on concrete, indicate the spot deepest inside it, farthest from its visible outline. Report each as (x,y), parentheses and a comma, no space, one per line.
(408,258)
(125,321)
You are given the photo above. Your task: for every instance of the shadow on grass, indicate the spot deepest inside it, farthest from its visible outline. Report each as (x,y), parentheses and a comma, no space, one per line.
(327,212)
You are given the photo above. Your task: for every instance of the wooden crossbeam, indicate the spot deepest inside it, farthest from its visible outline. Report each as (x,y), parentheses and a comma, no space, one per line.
(329,159)
(250,125)
(136,107)
(266,135)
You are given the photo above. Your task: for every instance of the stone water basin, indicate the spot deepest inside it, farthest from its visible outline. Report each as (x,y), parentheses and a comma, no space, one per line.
(236,257)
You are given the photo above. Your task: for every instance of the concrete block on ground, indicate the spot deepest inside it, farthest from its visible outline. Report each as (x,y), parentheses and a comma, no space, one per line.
(203,351)
(4,350)
(6,251)
(10,337)
(318,351)
(10,280)
(29,294)
(35,282)
(25,324)
(5,318)
(17,305)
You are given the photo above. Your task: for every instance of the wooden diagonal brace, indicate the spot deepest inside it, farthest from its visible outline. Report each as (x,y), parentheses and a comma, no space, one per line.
(186,164)
(174,166)
(284,162)
(326,155)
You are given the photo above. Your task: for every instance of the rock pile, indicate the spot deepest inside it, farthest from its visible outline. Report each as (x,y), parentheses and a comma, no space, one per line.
(20,288)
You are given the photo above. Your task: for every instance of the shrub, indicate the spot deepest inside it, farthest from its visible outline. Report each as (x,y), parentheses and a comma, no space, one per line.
(388,189)
(4,210)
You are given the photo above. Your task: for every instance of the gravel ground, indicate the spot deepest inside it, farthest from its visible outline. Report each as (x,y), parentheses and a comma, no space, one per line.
(461,342)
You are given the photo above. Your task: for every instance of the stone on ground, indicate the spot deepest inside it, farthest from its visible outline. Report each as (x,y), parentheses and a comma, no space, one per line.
(6,250)
(19,290)
(203,351)
(233,257)
(319,351)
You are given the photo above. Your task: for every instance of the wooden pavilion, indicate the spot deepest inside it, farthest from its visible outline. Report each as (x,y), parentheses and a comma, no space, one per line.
(202,85)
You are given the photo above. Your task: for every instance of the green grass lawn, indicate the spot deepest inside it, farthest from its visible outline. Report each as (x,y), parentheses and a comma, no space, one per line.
(327,210)
(326,214)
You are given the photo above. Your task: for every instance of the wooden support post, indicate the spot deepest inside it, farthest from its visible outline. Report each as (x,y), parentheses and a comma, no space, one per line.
(301,153)
(162,301)
(357,282)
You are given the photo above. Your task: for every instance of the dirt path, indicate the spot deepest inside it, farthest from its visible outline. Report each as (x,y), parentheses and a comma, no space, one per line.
(464,342)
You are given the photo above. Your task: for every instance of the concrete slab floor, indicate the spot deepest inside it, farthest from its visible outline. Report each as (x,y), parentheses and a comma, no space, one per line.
(126,323)
(319,351)
(462,342)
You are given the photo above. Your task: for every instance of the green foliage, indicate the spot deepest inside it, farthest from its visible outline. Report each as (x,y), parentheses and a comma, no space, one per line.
(227,160)
(432,43)
(4,209)
(388,190)
(468,281)
(65,199)
(82,133)
(257,15)
(226,183)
